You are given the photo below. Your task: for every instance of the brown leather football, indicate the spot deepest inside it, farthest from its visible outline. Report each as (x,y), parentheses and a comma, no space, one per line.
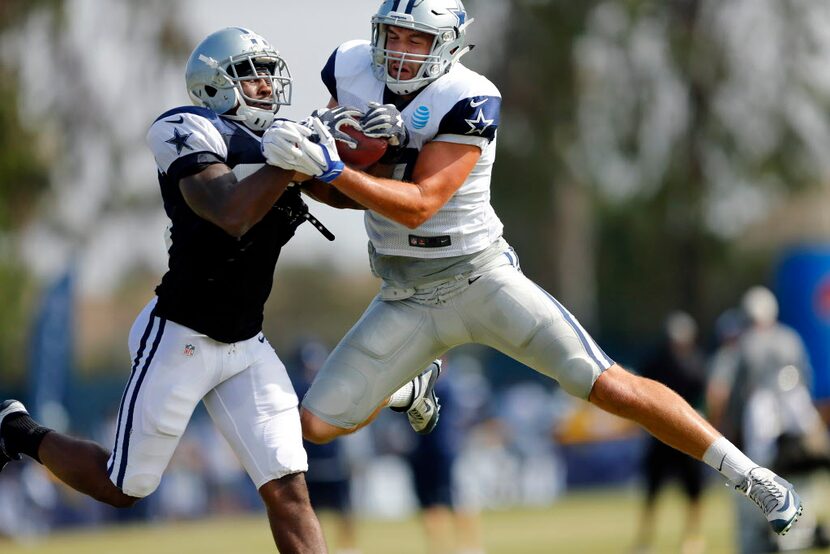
(369,150)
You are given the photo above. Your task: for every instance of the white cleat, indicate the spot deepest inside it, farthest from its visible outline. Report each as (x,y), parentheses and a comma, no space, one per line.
(424,411)
(775,496)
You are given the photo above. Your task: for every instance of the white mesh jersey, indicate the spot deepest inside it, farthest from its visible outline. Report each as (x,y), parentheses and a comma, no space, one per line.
(461,107)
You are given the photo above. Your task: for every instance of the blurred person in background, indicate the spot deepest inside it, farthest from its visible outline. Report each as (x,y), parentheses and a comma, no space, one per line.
(329,465)
(449,526)
(200,338)
(721,369)
(679,364)
(765,398)
(449,276)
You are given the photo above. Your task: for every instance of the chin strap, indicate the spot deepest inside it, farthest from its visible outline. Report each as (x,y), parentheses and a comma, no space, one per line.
(319,226)
(254,119)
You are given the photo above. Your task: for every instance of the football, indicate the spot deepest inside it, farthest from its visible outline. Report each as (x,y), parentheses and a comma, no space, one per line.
(369,150)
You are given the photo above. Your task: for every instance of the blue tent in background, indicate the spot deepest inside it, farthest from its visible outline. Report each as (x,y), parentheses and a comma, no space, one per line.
(51,350)
(802,286)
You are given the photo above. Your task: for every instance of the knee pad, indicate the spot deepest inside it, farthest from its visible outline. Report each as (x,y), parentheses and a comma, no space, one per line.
(337,397)
(140,485)
(578,375)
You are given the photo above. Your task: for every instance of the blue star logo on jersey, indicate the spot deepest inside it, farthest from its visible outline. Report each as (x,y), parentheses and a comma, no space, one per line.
(179,140)
(479,124)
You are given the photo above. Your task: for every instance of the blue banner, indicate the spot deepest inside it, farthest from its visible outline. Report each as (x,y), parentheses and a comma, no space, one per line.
(51,349)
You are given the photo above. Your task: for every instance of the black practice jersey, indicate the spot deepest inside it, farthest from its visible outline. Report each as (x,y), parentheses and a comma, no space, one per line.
(216,284)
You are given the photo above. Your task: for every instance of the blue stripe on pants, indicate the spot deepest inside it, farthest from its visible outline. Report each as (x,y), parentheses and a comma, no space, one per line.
(139,354)
(131,412)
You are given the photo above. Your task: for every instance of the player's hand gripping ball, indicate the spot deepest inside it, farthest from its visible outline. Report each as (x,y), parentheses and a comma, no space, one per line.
(355,149)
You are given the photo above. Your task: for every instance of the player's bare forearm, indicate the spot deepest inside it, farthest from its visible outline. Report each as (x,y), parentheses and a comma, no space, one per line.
(235,206)
(325,193)
(441,169)
(400,201)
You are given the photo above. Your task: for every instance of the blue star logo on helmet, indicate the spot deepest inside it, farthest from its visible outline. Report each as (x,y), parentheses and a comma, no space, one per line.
(179,140)
(460,15)
(421,117)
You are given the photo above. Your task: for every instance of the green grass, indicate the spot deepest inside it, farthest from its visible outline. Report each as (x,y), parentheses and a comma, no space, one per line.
(586,522)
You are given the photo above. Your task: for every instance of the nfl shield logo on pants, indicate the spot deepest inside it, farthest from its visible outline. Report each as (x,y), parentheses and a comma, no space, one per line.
(189,349)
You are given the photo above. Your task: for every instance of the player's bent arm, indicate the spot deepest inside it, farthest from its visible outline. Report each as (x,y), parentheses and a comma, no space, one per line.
(441,169)
(235,206)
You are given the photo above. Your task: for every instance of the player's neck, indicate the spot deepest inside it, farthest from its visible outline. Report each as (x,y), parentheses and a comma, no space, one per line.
(400,101)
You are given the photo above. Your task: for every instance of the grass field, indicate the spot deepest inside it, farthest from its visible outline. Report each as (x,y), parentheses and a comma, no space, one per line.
(587,522)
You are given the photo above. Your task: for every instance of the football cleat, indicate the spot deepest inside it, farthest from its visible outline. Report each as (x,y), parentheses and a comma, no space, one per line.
(424,411)
(8,407)
(775,496)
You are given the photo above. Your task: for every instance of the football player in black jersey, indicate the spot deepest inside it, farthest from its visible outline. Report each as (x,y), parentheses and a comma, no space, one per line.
(200,338)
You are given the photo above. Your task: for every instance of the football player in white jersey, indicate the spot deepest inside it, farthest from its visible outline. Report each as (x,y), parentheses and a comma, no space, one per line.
(200,339)
(448,276)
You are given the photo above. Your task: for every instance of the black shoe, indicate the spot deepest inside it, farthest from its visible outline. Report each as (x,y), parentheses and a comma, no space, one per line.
(8,407)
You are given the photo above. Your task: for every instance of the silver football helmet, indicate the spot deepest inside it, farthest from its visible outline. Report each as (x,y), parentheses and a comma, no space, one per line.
(226,58)
(445,19)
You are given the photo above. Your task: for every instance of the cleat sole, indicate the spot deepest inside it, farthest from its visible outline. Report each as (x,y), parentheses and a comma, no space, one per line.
(792,521)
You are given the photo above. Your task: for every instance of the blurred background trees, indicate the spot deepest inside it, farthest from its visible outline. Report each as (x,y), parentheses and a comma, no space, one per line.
(644,143)
(24,176)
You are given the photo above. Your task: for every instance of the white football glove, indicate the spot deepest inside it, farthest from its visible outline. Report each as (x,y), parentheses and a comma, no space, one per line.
(280,146)
(384,121)
(306,147)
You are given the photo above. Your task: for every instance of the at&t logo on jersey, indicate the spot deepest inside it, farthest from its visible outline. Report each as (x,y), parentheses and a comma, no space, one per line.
(421,117)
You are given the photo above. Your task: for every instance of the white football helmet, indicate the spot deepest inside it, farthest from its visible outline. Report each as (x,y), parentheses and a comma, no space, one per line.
(222,61)
(445,19)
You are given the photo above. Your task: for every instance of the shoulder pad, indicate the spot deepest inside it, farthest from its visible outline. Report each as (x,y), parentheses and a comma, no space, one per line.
(183,131)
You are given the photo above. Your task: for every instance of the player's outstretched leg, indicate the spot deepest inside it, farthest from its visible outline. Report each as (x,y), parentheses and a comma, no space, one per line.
(78,463)
(418,399)
(664,414)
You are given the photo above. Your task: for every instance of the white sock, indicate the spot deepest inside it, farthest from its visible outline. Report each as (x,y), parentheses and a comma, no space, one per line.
(402,397)
(728,460)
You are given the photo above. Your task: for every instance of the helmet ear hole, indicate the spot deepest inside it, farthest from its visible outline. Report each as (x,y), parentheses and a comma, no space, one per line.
(210,91)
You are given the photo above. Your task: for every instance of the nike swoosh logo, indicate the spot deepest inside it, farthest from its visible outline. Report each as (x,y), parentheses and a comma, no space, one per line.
(261,339)
(720,467)
(786,503)
(472,280)
(476,104)
(181,119)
